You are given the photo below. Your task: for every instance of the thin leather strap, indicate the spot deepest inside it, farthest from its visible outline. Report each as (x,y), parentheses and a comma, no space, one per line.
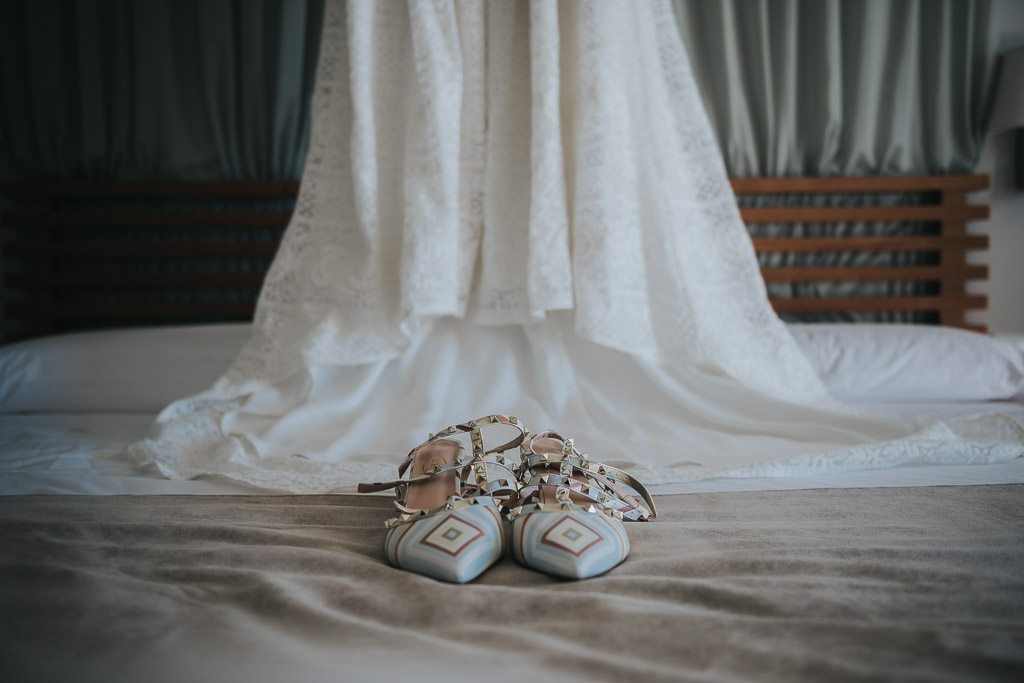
(571,460)
(478,463)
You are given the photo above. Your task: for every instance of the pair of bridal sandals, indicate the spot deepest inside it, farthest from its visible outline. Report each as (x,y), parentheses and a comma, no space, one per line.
(565,510)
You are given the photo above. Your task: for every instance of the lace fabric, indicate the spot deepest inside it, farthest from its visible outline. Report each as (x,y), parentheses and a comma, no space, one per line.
(451,141)
(545,165)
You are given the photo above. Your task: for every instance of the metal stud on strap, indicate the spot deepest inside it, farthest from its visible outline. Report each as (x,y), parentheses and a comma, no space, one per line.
(571,461)
(480,491)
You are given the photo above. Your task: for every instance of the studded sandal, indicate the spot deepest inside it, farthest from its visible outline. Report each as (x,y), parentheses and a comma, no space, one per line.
(568,518)
(450,507)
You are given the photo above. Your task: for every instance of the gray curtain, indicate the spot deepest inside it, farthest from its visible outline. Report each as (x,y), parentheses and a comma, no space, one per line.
(156,89)
(219,89)
(844,87)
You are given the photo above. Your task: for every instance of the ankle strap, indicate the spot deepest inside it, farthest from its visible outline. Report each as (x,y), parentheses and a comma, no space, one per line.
(570,461)
(474,428)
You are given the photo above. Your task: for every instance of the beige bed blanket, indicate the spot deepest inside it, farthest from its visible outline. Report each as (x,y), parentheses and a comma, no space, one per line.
(848,584)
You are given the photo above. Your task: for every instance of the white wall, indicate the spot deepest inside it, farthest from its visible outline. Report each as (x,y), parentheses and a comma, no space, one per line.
(1005,227)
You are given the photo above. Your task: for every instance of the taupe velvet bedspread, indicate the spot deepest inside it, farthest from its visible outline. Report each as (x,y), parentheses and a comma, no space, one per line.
(847,584)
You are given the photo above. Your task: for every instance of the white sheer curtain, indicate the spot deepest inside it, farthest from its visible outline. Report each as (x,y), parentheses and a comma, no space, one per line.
(520,208)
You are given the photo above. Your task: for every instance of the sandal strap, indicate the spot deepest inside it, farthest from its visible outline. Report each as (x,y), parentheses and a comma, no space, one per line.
(507,484)
(606,474)
(385,485)
(476,438)
(564,493)
(484,489)
(576,487)
(474,428)
(527,508)
(571,460)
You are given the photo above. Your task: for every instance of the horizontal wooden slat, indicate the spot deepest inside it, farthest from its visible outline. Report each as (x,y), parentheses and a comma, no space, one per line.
(141,280)
(827,304)
(290,188)
(133,311)
(155,189)
(268,248)
(148,219)
(893,243)
(901,183)
(80,311)
(196,280)
(856,214)
(42,314)
(94,250)
(982,329)
(869,273)
(274,219)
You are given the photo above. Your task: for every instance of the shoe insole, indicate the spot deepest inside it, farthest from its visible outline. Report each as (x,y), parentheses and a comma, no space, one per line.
(427,495)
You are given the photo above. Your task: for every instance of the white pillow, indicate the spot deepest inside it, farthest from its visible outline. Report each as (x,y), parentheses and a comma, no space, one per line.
(143,370)
(137,370)
(864,362)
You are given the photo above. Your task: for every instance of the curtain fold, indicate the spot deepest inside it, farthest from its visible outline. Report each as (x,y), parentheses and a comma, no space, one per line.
(834,87)
(213,89)
(161,89)
(827,87)
(210,89)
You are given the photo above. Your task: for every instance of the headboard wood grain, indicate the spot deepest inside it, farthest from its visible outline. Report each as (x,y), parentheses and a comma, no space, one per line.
(55,229)
(950,211)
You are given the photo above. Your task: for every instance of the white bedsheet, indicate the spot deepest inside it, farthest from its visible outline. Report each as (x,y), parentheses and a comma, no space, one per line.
(70,404)
(82,453)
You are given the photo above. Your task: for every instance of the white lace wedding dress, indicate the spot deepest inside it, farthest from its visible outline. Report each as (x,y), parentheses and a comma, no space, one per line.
(519,207)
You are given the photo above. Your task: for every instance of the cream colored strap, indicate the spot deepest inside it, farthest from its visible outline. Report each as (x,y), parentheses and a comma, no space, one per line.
(474,428)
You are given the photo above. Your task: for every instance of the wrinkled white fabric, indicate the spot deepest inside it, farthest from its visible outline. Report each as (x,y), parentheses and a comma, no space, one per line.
(451,142)
(545,166)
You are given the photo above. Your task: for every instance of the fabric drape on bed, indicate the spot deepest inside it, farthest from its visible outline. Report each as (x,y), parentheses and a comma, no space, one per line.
(498,162)
(520,208)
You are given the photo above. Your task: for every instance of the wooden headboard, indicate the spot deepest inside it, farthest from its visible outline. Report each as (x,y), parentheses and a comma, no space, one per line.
(945,207)
(186,252)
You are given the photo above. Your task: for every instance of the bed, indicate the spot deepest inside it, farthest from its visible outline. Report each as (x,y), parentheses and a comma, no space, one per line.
(112,573)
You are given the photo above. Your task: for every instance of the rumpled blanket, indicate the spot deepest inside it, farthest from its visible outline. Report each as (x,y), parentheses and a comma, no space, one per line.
(843,584)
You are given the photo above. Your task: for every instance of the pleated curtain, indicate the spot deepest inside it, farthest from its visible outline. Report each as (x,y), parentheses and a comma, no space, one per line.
(156,89)
(844,87)
(208,89)
(215,89)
